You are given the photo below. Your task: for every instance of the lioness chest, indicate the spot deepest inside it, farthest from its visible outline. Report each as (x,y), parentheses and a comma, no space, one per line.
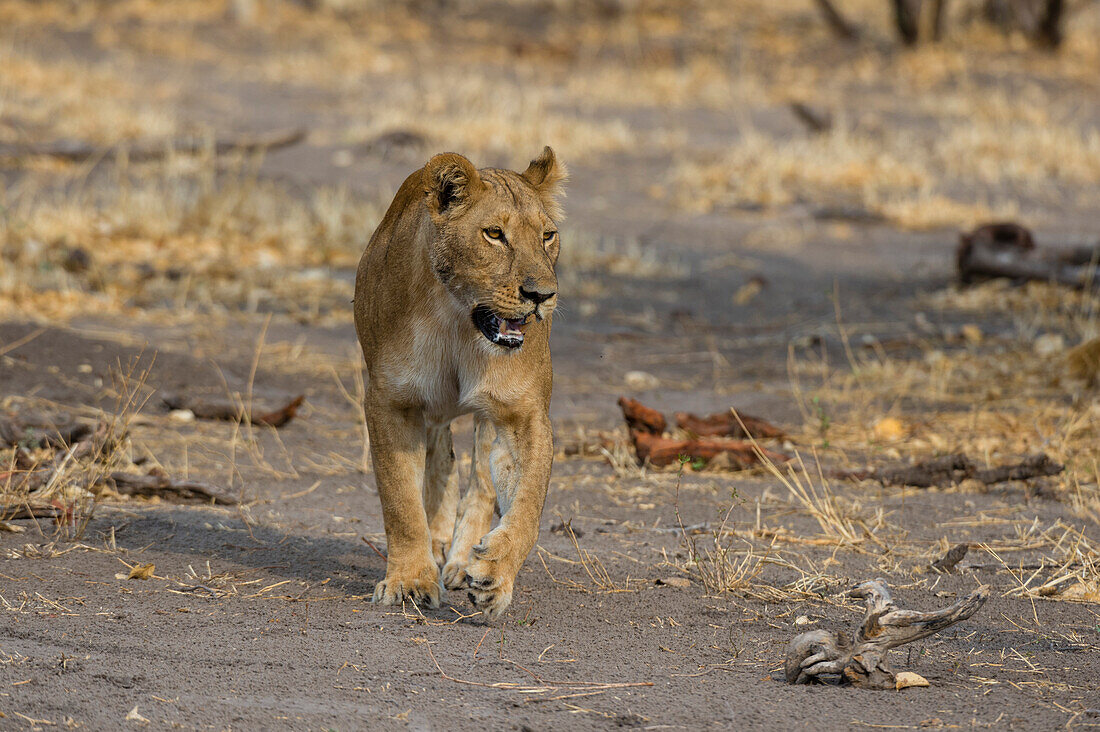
(438,368)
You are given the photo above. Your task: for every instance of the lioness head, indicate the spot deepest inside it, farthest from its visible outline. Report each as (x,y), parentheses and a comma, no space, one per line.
(497,240)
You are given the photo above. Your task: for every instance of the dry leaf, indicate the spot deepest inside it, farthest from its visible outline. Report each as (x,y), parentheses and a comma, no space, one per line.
(133,716)
(889,429)
(972,333)
(746,292)
(141,571)
(906,679)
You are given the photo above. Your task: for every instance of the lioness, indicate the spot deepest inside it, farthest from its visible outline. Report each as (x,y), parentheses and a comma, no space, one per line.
(453,300)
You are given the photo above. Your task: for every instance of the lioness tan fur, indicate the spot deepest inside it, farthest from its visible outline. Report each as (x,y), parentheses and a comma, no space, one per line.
(453,301)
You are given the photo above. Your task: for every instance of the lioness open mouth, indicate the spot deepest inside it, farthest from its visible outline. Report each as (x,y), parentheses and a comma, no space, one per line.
(501,331)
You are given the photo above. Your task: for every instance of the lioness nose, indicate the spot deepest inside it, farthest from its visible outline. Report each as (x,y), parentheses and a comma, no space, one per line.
(535,292)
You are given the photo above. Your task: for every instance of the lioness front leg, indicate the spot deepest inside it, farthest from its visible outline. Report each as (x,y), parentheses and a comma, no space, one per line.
(520,460)
(398,452)
(475,513)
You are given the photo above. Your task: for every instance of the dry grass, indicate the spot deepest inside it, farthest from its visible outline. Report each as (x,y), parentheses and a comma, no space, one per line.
(97,102)
(75,481)
(966,172)
(182,238)
(944,135)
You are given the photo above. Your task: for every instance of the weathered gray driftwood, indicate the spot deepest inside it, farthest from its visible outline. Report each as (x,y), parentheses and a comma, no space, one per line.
(862,661)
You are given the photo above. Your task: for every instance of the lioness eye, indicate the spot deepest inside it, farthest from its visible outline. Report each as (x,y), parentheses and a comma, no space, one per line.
(549,235)
(495,233)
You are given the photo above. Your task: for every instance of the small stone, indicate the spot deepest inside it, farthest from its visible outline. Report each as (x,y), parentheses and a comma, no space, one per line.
(640,380)
(1049,344)
(906,679)
(802,620)
(681,582)
(343,158)
(182,415)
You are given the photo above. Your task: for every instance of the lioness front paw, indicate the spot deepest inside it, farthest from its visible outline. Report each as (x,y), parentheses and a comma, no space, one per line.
(421,587)
(454,574)
(491,574)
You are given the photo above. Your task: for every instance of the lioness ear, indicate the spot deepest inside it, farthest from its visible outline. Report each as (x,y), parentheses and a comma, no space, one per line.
(450,183)
(548,176)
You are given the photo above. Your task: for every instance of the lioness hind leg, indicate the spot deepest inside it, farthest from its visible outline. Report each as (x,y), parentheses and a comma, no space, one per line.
(440,489)
(475,513)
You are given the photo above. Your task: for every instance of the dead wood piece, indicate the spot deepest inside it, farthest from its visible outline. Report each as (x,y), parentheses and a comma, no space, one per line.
(1008,250)
(726,424)
(641,418)
(837,22)
(76,151)
(1034,466)
(1048,31)
(37,432)
(30,475)
(395,142)
(661,451)
(1086,256)
(938,472)
(816,121)
(861,661)
(13,512)
(907,20)
(855,214)
(158,484)
(227,409)
(953,469)
(946,564)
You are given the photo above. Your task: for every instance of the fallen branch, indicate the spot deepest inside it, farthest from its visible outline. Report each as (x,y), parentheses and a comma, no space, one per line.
(839,25)
(640,417)
(907,20)
(75,151)
(647,426)
(158,484)
(726,424)
(862,661)
(661,451)
(37,433)
(817,122)
(953,469)
(946,564)
(230,410)
(29,475)
(1008,250)
(18,513)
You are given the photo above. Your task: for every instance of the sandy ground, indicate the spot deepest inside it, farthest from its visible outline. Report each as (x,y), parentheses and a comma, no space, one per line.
(257,617)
